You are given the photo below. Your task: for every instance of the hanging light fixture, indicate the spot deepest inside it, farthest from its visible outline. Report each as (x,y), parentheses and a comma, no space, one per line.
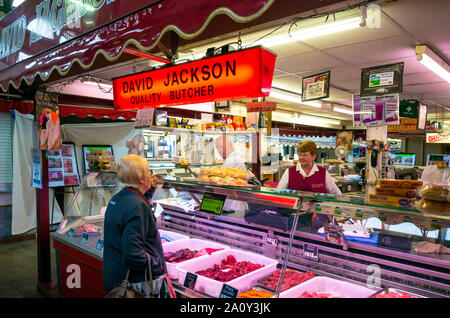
(434,63)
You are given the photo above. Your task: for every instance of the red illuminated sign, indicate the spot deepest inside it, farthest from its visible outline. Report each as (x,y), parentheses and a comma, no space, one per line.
(261,107)
(243,74)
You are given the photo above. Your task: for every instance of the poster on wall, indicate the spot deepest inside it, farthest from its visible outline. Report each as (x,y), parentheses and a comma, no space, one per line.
(47,117)
(144,118)
(383,79)
(376,110)
(345,138)
(62,167)
(316,86)
(36,168)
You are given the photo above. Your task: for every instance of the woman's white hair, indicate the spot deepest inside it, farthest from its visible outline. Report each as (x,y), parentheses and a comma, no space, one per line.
(131,169)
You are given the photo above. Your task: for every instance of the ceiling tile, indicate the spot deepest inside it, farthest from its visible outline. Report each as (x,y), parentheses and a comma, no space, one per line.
(438,39)
(307,63)
(288,82)
(375,51)
(289,49)
(417,15)
(354,36)
(442,88)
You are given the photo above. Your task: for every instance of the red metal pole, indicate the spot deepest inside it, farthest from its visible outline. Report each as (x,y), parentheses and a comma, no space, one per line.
(43,226)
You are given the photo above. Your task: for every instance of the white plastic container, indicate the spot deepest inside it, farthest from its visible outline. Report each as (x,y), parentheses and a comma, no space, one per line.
(173,235)
(192,244)
(329,285)
(213,287)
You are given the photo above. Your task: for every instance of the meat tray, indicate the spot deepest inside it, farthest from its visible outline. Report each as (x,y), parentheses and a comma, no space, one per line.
(397,291)
(212,287)
(192,244)
(174,236)
(329,285)
(261,281)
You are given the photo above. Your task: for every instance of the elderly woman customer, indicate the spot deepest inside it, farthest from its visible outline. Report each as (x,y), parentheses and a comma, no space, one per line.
(130,230)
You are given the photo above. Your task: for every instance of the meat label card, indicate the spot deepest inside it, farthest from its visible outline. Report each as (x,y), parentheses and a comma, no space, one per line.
(190,280)
(99,245)
(272,239)
(85,238)
(228,292)
(311,252)
(71,232)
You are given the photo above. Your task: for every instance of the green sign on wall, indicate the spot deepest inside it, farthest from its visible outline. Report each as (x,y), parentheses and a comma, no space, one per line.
(409,108)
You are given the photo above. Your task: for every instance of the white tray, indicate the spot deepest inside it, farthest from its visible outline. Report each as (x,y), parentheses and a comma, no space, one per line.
(212,287)
(192,244)
(173,235)
(329,285)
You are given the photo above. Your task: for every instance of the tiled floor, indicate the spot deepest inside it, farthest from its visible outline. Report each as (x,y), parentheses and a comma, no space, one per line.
(18,269)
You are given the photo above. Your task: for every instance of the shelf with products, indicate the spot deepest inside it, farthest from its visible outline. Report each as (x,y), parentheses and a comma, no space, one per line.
(346,206)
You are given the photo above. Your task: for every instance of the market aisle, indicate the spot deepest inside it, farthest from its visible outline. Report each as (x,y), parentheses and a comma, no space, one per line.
(18,274)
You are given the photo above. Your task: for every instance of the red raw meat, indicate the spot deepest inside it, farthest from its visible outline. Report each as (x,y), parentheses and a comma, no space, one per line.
(90,228)
(394,295)
(291,278)
(229,269)
(317,295)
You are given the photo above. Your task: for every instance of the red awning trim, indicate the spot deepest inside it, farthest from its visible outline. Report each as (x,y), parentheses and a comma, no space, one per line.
(23,107)
(143,29)
(98,113)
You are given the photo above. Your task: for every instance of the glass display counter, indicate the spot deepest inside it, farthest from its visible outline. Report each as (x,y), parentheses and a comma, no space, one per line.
(277,225)
(78,242)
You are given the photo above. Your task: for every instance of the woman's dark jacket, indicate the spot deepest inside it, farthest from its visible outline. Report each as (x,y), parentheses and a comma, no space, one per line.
(130,229)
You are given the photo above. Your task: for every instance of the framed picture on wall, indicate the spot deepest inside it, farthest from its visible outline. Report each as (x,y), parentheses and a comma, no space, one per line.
(62,167)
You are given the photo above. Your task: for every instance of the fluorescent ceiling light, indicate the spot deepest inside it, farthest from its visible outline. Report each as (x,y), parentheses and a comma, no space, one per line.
(293,98)
(344,110)
(433,62)
(284,96)
(313,104)
(308,120)
(325,29)
(17,3)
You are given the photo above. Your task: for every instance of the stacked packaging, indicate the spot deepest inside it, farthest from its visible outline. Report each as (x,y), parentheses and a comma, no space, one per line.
(397,193)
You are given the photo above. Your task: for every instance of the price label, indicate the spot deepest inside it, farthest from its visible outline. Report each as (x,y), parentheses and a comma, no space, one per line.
(228,292)
(359,214)
(85,238)
(190,280)
(71,232)
(311,251)
(100,244)
(334,233)
(435,225)
(271,239)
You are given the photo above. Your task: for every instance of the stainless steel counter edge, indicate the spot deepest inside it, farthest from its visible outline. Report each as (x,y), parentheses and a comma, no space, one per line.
(79,246)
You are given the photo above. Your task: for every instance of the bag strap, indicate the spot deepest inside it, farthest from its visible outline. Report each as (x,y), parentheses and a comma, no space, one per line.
(149,288)
(145,200)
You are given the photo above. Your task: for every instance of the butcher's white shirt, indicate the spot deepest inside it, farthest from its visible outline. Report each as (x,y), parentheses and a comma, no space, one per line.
(236,161)
(329,183)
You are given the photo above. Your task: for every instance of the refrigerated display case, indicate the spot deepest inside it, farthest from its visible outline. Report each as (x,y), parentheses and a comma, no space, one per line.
(277,225)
